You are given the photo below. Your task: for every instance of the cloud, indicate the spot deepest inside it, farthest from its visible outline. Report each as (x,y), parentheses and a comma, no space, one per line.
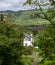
(12,5)
(2,0)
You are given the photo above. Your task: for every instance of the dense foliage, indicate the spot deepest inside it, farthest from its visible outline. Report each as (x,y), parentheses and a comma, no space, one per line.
(27,60)
(11,37)
(11,46)
(46,41)
(47,45)
(28,50)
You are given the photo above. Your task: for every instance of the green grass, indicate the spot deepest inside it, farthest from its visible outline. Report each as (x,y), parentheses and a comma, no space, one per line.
(31,22)
(23,18)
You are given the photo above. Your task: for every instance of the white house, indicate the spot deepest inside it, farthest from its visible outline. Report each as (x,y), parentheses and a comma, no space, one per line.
(28,40)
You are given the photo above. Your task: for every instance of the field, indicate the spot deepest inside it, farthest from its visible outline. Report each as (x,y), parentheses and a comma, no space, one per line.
(25,18)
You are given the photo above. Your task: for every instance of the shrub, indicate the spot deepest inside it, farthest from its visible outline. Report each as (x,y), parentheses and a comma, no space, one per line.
(11,46)
(28,50)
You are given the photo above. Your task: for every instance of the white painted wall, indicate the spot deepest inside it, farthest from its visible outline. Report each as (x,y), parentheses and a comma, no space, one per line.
(28,41)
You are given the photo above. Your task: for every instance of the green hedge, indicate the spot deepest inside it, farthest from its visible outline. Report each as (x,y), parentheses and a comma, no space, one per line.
(27,60)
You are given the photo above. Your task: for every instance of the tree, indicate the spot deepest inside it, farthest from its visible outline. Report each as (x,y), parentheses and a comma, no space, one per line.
(2,17)
(47,45)
(50,15)
(11,46)
(46,39)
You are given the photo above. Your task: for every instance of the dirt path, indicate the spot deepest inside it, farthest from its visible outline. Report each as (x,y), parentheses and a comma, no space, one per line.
(35,59)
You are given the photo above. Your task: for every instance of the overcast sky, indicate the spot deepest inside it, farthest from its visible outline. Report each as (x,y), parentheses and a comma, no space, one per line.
(13,5)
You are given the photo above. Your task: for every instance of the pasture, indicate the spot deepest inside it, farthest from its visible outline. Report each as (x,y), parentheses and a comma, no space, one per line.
(25,18)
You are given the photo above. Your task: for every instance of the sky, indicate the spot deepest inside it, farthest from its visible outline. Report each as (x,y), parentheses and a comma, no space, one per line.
(13,5)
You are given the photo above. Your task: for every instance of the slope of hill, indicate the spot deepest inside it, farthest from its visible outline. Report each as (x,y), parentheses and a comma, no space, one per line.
(26,18)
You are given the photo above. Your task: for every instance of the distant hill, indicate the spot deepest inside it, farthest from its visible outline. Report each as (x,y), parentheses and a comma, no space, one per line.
(25,18)
(15,11)
(7,11)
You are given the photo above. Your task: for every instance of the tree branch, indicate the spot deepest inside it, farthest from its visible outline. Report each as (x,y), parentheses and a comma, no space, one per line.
(45,16)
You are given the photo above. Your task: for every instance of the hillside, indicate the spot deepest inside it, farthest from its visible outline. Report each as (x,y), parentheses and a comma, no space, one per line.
(25,18)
